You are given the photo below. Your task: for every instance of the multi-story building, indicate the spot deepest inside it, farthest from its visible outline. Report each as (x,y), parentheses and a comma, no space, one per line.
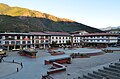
(114,31)
(59,37)
(45,39)
(100,39)
(24,40)
(76,39)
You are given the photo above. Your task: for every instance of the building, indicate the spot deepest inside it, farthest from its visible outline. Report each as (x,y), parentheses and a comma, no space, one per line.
(60,38)
(100,39)
(113,31)
(24,40)
(13,41)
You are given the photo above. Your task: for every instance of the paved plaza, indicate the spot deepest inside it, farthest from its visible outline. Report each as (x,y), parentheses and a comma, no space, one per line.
(35,68)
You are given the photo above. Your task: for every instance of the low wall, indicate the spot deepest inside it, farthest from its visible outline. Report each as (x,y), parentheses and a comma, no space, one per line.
(58,68)
(61,61)
(57,53)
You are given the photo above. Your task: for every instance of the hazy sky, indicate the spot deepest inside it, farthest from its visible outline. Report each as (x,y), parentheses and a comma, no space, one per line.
(95,13)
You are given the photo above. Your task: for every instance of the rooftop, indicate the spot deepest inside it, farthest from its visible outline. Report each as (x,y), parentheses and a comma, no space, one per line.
(99,34)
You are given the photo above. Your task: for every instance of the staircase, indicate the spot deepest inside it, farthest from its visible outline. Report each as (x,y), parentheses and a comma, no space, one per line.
(110,72)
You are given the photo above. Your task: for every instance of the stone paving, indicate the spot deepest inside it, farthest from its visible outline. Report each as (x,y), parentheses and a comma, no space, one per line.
(7,69)
(82,66)
(35,68)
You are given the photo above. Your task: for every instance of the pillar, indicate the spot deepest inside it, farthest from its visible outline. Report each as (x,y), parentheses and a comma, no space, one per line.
(44,46)
(7,48)
(14,47)
(20,47)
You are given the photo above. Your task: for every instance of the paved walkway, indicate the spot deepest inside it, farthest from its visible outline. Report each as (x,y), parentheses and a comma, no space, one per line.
(7,69)
(35,68)
(32,68)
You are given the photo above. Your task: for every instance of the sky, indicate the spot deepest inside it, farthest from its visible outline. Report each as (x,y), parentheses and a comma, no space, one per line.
(94,13)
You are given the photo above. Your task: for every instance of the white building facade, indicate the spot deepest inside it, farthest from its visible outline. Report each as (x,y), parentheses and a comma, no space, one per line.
(45,39)
(100,39)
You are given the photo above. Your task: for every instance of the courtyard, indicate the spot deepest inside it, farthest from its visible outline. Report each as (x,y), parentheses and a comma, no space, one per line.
(35,68)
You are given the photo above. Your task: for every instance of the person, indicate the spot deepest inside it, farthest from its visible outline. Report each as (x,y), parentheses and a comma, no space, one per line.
(17,69)
(1,59)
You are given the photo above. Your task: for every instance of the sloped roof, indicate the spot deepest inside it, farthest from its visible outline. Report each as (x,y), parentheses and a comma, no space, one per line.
(38,33)
(100,34)
(58,33)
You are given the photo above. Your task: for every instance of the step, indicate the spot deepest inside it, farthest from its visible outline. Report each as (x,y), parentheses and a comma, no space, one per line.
(117,64)
(88,77)
(80,78)
(105,75)
(113,66)
(109,72)
(111,69)
(95,75)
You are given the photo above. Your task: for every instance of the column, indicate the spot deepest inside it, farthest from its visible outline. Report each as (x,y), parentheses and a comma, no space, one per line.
(20,47)
(14,47)
(7,48)
(44,46)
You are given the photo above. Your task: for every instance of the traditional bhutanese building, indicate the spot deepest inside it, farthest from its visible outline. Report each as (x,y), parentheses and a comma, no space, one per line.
(100,39)
(44,39)
(59,37)
(24,40)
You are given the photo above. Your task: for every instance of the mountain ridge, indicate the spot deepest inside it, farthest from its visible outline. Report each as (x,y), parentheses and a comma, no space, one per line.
(15,19)
(18,11)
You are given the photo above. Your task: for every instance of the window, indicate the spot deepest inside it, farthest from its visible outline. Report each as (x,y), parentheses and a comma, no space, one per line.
(52,37)
(28,42)
(59,41)
(46,41)
(23,37)
(18,37)
(23,42)
(12,42)
(6,37)
(17,42)
(37,37)
(98,40)
(46,37)
(56,37)
(29,37)
(6,42)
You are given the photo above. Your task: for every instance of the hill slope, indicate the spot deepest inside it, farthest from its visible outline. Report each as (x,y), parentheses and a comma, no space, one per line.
(15,19)
(17,11)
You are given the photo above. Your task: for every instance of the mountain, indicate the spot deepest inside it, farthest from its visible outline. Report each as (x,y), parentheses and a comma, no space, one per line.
(17,11)
(16,19)
(110,28)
